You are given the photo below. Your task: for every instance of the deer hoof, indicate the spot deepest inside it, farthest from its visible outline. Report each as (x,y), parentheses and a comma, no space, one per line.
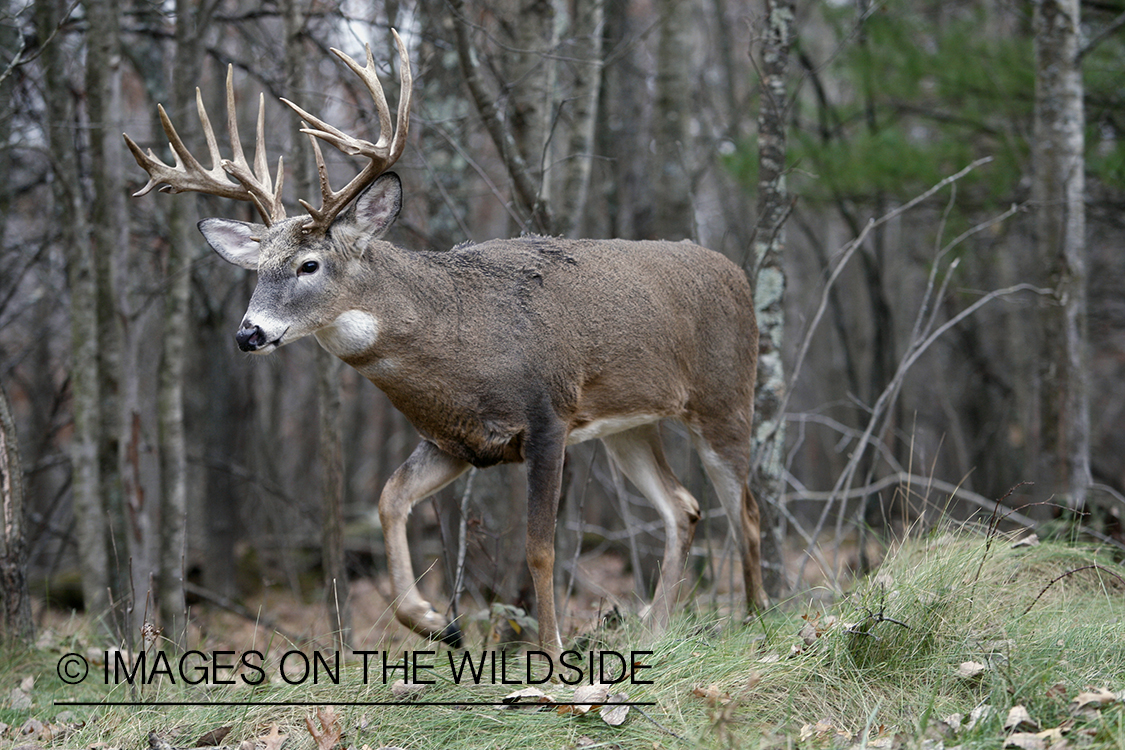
(452,636)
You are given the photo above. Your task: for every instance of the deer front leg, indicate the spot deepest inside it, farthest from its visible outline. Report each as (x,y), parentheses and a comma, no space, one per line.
(545,451)
(426,471)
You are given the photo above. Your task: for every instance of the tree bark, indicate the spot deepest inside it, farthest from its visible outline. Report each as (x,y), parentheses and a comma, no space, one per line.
(673,215)
(525,175)
(330,450)
(15,600)
(1059,194)
(586,42)
(769,281)
(91,536)
(174,341)
(119,455)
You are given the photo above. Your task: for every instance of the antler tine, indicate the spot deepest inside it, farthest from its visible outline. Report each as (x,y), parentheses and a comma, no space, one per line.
(381,155)
(188,174)
(256,181)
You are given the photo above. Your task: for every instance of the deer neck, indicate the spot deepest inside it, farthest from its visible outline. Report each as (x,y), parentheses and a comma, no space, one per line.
(389,306)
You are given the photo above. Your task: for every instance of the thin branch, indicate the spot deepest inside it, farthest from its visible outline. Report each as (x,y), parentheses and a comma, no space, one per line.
(18,59)
(1070,573)
(526,187)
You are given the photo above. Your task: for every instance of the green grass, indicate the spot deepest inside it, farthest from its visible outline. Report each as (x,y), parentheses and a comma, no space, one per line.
(881,663)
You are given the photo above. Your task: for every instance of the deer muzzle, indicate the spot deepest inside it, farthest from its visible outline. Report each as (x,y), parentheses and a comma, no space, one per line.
(250,338)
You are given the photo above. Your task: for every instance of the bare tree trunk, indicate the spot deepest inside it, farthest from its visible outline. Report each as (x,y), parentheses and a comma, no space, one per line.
(769,281)
(93,551)
(15,600)
(122,493)
(174,339)
(673,216)
(330,450)
(1059,193)
(586,42)
(524,170)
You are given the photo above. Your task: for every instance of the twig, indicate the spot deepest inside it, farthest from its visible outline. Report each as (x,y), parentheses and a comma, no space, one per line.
(846,253)
(234,607)
(658,725)
(1070,573)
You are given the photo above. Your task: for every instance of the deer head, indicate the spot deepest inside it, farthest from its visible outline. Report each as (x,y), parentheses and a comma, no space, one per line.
(302,262)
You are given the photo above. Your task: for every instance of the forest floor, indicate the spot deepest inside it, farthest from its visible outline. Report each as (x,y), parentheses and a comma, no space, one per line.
(961,640)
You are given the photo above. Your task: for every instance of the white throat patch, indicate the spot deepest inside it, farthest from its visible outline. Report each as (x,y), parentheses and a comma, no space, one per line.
(353,332)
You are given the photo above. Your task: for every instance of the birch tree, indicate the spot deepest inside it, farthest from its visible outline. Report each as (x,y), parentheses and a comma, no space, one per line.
(768,277)
(15,600)
(1059,188)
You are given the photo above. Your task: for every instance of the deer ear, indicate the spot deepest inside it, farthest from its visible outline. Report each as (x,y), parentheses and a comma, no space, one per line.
(234,240)
(377,207)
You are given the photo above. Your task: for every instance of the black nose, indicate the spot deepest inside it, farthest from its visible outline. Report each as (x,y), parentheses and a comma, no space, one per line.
(250,338)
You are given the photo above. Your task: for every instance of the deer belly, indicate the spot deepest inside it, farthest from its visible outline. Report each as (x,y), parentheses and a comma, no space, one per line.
(608,425)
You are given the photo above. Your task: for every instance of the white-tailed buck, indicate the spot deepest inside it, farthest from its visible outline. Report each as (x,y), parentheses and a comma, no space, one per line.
(505,351)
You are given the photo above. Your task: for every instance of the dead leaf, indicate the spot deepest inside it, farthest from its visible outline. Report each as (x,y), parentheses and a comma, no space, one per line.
(1031,540)
(1019,720)
(712,694)
(585,741)
(274,739)
(1026,741)
(19,700)
(212,738)
(592,696)
(1093,698)
(977,715)
(403,690)
(808,633)
(821,732)
(526,696)
(330,732)
(969,670)
(614,712)
(953,721)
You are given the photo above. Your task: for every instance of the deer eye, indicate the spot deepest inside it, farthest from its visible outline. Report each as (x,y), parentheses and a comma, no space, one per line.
(309,266)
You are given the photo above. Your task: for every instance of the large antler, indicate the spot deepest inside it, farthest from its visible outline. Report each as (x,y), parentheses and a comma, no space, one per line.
(188,174)
(381,155)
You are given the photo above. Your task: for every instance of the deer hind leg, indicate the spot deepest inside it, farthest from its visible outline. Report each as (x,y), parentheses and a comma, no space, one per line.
(727,464)
(639,455)
(426,471)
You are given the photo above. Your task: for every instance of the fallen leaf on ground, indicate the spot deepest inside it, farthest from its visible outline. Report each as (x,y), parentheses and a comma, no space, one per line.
(526,696)
(330,732)
(1031,540)
(212,738)
(274,739)
(403,690)
(977,715)
(613,712)
(19,700)
(821,732)
(969,670)
(591,695)
(712,694)
(1093,698)
(1026,741)
(1020,720)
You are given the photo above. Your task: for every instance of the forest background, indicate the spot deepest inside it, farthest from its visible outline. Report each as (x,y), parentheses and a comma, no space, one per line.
(929,351)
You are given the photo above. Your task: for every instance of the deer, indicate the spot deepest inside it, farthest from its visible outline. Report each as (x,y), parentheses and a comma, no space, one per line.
(505,351)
